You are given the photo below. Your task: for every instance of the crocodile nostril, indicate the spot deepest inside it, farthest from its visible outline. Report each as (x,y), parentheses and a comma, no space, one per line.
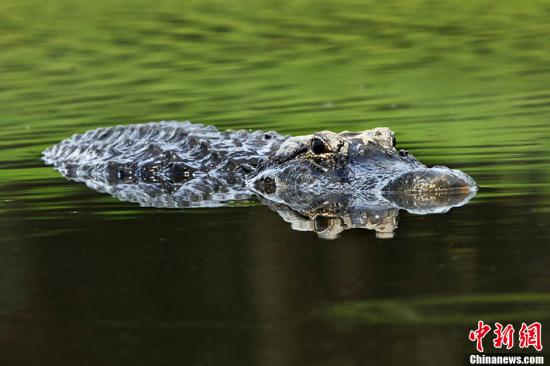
(266,185)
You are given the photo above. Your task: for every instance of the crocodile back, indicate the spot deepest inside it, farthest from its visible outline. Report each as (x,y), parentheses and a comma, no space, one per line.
(165,164)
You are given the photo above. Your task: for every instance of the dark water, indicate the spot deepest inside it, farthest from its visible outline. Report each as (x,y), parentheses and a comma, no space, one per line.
(88,280)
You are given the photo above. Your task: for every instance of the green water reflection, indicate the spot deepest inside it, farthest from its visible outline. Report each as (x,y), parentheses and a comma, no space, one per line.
(463,84)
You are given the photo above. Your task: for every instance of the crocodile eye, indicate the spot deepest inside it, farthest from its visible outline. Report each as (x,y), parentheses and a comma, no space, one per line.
(318,146)
(321,223)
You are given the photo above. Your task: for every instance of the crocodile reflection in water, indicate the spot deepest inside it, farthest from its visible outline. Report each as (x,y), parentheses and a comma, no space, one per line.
(329,224)
(337,180)
(330,215)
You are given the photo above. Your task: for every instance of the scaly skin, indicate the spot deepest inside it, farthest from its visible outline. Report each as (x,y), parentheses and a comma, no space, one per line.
(166,164)
(326,175)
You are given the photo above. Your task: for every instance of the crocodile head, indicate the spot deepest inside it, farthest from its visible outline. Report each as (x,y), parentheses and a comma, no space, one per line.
(365,163)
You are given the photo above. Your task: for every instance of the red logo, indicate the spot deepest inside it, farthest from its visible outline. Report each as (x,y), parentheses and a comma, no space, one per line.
(529,335)
(504,336)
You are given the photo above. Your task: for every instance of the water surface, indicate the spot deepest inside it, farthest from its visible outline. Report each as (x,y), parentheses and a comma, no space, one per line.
(86,279)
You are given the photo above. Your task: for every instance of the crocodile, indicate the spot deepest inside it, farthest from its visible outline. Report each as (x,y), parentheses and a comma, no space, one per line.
(325,174)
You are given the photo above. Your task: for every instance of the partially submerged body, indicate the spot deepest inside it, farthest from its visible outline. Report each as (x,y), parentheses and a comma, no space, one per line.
(166,164)
(175,164)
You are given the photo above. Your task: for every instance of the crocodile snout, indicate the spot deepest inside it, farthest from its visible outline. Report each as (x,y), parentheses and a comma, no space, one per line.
(436,179)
